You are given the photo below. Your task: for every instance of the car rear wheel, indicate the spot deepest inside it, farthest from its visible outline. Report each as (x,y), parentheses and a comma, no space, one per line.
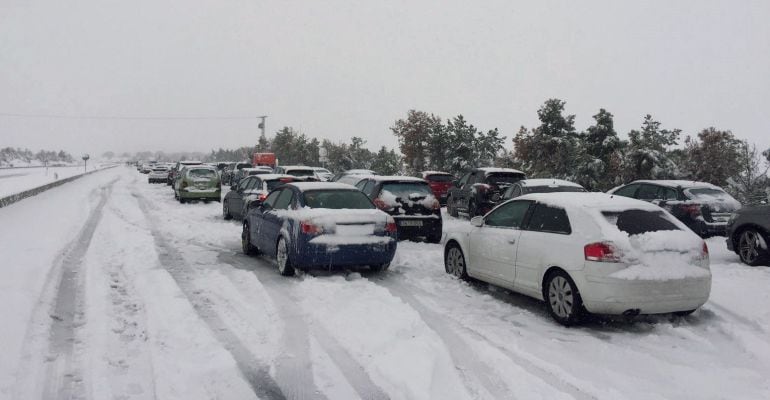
(450,208)
(246,246)
(226,210)
(454,261)
(379,267)
(282,258)
(751,249)
(563,299)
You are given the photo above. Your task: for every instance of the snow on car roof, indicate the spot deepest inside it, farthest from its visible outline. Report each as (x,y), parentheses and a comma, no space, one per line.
(304,186)
(265,177)
(190,162)
(296,167)
(359,172)
(401,178)
(673,183)
(435,173)
(493,170)
(591,200)
(548,182)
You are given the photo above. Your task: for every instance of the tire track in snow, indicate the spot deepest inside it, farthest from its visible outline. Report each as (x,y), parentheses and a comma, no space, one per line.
(279,289)
(446,328)
(62,378)
(256,373)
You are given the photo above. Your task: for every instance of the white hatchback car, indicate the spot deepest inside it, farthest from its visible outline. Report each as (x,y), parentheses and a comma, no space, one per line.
(585,252)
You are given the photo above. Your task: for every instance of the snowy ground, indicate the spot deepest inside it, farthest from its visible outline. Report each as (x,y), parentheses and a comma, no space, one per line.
(112,290)
(15,180)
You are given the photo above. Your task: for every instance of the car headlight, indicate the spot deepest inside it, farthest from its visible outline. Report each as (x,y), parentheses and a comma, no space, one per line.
(732,218)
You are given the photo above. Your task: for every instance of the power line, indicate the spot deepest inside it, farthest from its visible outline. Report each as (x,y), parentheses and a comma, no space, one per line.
(122,117)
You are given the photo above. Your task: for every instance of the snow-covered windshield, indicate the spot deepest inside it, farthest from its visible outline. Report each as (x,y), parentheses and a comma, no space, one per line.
(337,199)
(201,173)
(504,178)
(635,222)
(407,190)
(706,194)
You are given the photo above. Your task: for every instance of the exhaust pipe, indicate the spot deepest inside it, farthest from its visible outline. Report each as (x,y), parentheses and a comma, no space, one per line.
(631,312)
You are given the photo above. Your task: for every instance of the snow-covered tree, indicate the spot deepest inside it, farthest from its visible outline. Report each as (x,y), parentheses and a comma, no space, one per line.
(414,136)
(714,156)
(647,154)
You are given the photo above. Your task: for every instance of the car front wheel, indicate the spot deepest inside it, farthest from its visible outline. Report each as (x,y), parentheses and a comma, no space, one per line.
(246,246)
(563,299)
(282,258)
(752,247)
(454,261)
(226,210)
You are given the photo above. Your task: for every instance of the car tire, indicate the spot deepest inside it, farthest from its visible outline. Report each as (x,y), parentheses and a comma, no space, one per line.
(282,258)
(248,248)
(749,247)
(562,298)
(454,261)
(450,208)
(181,200)
(226,211)
(472,208)
(379,267)
(684,313)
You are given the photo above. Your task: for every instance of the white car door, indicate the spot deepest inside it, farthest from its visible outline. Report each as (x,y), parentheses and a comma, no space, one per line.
(545,242)
(494,245)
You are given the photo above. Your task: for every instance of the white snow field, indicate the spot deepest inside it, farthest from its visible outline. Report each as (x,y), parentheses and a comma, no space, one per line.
(15,180)
(112,290)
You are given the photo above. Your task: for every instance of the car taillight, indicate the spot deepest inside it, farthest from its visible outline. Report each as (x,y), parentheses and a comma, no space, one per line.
(693,210)
(262,196)
(379,203)
(705,251)
(310,228)
(483,187)
(601,252)
(390,226)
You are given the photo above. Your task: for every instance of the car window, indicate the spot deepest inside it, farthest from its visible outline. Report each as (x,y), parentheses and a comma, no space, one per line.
(508,215)
(301,172)
(439,178)
(516,191)
(201,173)
(360,185)
(284,200)
(275,183)
(549,219)
(271,198)
(634,222)
(407,190)
(337,199)
(243,185)
(666,193)
(254,183)
(627,191)
(502,178)
(647,192)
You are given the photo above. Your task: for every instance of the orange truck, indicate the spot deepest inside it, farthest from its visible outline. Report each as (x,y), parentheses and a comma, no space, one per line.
(266,159)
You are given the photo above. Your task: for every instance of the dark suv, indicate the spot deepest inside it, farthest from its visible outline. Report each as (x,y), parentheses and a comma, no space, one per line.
(480,190)
(703,207)
(748,234)
(411,203)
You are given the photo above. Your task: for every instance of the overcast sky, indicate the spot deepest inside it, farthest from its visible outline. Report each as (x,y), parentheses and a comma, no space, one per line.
(336,69)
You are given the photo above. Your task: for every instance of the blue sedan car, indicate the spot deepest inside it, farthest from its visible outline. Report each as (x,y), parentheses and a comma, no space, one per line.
(307,225)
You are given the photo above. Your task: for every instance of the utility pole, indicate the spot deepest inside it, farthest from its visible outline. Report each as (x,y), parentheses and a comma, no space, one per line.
(85,162)
(262,125)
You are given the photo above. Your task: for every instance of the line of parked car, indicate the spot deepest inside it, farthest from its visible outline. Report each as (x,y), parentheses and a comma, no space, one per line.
(637,249)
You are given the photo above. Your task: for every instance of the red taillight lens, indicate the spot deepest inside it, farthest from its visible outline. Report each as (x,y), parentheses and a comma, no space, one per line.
(483,187)
(705,250)
(391,227)
(601,252)
(309,228)
(262,196)
(692,209)
(379,203)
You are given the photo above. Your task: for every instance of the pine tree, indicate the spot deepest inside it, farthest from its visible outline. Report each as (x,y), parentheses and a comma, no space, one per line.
(647,154)
(414,135)
(714,156)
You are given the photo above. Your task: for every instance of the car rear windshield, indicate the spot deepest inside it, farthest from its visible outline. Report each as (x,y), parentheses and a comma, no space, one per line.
(243,165)
(337,199)
(405,190)
(301,172)
(440,178)
(259,172)
(553,189)
(504,178)
(635,222)
(201,173)
(705,194)
(274,183)
(159,169)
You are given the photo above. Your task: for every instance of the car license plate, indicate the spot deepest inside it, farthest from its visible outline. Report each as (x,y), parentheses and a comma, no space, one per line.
(410,223)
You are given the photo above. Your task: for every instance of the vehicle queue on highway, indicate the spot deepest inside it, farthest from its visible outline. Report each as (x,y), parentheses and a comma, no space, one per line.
(637,249)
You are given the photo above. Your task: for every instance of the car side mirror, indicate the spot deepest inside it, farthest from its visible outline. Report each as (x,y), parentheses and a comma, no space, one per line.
(477,221)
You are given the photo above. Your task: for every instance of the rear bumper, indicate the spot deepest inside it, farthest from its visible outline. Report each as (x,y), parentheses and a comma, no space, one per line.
(430,227)
(614,296)
(200,195)
(312,255)
(703,228)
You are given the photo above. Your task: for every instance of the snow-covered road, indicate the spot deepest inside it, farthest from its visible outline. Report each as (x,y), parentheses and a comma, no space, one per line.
(112,290)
